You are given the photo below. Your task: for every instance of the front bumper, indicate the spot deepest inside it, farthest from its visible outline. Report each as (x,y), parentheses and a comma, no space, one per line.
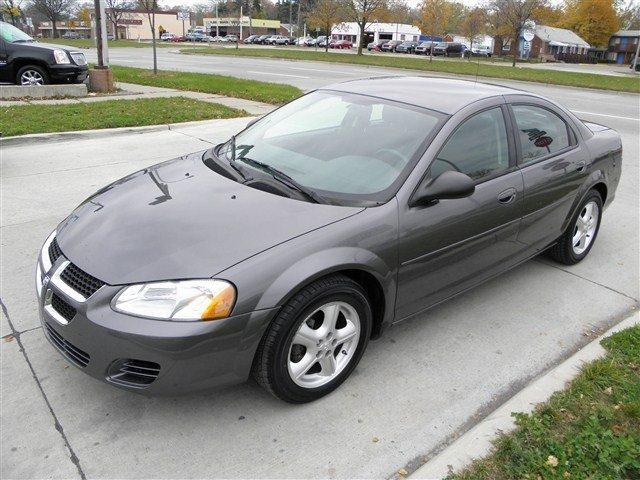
(147,356)
(68,73)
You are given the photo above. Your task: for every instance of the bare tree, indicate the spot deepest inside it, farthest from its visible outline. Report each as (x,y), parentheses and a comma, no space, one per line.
(364,12)
(54,10)
(434,16)
(116,11)
(474,25)
(325,15)
(150,7)
(512,16)
(12,9)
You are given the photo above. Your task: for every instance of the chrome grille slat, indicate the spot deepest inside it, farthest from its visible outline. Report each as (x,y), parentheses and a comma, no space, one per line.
(134,373)
(70,351)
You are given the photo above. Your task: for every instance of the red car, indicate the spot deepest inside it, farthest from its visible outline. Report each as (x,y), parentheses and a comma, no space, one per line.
(178,38)
(340,44)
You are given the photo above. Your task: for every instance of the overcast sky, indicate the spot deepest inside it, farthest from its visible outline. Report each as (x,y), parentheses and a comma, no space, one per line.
(471,3)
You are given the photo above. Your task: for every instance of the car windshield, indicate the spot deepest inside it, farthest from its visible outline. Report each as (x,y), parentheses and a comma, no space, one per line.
(350,149)
(11,34)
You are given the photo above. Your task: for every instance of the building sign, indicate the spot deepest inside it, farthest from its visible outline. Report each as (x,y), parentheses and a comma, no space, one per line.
(183,16)
(129,21)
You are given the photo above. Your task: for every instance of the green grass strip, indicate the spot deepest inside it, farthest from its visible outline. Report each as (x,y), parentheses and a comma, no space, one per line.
(590,430)
(273,93)
(25,119)
(459,67)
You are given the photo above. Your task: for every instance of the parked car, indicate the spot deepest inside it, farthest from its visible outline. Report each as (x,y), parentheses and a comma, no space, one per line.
(250,39)
(71,35)
(178,38)
(315,241)
(263,39)
(407,47)
(340,44)
(24,61)
(231,38)
(390,46)
(310,42)
(167,37)
(375,46)
(424,48)
(481,51)
(281,40)
(449,49)
(321,41)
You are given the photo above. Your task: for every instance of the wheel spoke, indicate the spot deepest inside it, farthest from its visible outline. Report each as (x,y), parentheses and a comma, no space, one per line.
(346,333)
(577,238)
(298,369)
(331,313)
(328,364)
(306,336)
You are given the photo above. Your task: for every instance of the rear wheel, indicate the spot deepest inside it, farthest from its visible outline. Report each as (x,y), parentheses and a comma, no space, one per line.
(578,239)
(316,340)
(32,75)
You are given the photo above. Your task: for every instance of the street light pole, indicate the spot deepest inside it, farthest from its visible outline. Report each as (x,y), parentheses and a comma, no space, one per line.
(101,77)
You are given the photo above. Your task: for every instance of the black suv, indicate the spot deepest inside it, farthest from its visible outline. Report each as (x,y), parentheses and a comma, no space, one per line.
(27,62)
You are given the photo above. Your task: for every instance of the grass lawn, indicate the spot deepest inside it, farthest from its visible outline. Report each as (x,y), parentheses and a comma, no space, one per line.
(461,67)
(25,119)
(201,82)
(590,430)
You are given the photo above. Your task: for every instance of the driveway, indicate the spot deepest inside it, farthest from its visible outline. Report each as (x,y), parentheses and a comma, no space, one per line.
(425,382)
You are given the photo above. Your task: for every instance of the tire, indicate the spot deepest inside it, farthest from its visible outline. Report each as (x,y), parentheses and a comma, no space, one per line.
(33,71)
(279,357)
(566,250)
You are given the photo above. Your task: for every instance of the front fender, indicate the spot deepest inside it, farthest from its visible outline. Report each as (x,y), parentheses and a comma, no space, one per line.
(323,263)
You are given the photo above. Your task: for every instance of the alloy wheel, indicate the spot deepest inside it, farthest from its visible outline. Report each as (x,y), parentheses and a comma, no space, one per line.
(31,77)
(585,227)
(324,344)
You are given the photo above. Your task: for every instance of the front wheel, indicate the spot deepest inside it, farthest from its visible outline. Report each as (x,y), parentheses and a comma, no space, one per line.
(578,239)
(32,75)
(315,341)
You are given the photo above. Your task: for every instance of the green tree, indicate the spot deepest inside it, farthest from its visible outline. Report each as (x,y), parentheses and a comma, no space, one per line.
(474,24)
(509,17)
(325,15)
(593,20)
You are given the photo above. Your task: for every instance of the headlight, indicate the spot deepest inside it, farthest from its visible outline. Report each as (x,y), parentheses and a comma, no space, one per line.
(180,300)
(61,56)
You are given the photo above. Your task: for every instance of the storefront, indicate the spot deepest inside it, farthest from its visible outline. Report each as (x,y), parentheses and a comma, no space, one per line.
(375,31)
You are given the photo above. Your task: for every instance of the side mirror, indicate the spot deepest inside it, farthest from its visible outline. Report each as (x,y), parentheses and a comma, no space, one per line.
(447,185)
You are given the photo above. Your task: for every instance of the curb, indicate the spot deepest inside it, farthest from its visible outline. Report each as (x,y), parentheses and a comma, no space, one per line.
(101,133)
(477,442)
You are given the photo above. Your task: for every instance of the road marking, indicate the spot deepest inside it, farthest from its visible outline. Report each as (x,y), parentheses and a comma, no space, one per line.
(277,74)
(319,70)
(605,115)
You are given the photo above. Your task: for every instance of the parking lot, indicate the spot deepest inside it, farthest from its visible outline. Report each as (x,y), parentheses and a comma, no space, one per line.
(425,382)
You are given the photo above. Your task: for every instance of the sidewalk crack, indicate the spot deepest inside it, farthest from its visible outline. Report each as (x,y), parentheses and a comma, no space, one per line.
(558,267)
(58,426)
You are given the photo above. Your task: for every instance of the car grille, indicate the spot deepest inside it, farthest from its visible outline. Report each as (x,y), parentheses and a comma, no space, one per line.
(73,353)
(54,251)
(137,373)
(80,280)
(79,58)
(62,307)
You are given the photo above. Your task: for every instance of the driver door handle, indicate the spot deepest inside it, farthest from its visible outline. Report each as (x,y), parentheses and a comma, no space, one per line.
(508,196)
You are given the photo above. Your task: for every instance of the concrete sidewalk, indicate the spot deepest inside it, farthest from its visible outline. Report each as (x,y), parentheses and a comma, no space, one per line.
(427,381)
(130,91)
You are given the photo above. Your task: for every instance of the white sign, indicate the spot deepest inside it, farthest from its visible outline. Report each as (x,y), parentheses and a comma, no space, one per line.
(528,35)
(526,46)
(183,15)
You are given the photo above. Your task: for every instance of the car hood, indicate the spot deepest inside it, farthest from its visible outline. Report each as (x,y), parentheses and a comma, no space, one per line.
(51,46)
(180,219)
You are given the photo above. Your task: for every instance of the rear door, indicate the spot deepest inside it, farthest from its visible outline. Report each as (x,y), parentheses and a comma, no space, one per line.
(554,163)
(452,245)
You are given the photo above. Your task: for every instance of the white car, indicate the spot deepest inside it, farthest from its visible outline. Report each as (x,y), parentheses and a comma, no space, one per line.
(166,36)
(481,50)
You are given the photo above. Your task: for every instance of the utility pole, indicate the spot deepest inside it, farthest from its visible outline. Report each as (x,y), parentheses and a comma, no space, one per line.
(290,18)
(635,60)
(217,22)
(101,77)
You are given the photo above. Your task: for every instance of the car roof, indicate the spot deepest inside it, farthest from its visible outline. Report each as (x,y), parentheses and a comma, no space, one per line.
(446,95)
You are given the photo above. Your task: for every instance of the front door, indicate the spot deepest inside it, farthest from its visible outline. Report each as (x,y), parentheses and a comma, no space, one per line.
(454,244)
(4,67)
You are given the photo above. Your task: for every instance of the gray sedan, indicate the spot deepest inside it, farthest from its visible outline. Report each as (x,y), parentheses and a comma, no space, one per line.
(280,253)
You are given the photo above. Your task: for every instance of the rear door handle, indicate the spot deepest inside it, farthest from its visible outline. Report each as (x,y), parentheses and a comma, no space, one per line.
(508,196)
(580,166)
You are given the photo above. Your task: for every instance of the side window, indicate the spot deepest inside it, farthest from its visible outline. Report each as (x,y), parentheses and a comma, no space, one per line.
(541,132)
(478,147)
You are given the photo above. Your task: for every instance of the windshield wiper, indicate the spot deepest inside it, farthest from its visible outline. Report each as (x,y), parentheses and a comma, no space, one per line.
(31,40)
(283,178)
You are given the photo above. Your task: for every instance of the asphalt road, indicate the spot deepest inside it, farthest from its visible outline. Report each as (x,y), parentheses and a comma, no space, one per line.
(425,382)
